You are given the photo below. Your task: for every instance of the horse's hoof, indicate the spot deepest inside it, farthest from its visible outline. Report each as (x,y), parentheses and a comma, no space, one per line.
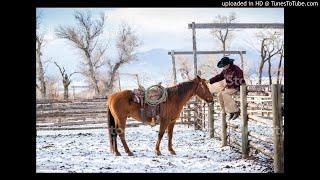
(118,154)
(130,154)
(173,152)
(158,153)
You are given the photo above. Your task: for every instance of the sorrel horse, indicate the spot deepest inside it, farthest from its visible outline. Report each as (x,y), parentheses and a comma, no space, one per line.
(121,107)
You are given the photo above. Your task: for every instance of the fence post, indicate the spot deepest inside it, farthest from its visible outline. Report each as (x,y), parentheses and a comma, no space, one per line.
(182,115)
(188,114)
(73,93)
(278,159)
(241,56)
(244,118)
(174,68)
(204,115)
(194,45)
(200,115)
(196,114)
(211,119)
(223,130)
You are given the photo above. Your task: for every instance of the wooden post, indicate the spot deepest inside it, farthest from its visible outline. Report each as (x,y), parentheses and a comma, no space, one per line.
(188,114)
(196,115)
(204,116)
(195,64)
(194,49)
(241,56)
(278,160)
(244,117)
(183,114)
(223,130)
(174,68)
(211,119)
(200,115)
(73,93)
(137,76)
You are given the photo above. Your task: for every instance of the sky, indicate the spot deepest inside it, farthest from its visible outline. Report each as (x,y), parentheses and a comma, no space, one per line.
(157,28)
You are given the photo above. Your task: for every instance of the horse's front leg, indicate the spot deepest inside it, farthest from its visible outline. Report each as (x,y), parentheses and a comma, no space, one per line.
(170,134)
(162,129)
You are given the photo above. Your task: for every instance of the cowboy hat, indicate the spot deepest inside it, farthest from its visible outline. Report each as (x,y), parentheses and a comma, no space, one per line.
(224,61)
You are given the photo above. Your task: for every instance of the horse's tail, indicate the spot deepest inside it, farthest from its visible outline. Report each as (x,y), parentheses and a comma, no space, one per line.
(112,131)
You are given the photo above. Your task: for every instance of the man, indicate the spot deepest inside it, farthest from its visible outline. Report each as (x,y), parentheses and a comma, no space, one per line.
(234,78)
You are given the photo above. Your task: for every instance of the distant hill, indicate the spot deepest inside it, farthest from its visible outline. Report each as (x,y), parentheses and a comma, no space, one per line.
(158,61)
(155,66)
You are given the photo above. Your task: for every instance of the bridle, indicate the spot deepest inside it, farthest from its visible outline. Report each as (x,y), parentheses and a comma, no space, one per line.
(199,84)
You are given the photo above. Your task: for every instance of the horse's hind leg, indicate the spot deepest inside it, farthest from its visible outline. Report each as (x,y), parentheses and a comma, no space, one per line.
(170,133)
(121,125)
(126,148)
(115,148)
(123,140)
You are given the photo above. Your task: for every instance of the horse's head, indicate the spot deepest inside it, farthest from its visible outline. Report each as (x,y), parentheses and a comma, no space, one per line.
(202,90)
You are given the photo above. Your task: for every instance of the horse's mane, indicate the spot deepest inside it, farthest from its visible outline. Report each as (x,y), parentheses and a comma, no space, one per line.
(180,89)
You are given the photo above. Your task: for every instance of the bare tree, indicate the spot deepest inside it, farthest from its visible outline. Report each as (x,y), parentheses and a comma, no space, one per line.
(208,67)
(85,37)
(52,87)
(66,80)
(224,36)
(40,69)
(269,47)
(280,63)
(127,44)
(185,67)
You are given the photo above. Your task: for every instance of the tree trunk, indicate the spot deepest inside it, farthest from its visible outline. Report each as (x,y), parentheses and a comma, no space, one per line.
(224,47)
(109,87)
(66,93)
(92,76)
(260,71)
(269,71)
(279,69)
(41,73)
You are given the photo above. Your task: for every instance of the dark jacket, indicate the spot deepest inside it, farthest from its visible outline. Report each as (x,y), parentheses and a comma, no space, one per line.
(233,76)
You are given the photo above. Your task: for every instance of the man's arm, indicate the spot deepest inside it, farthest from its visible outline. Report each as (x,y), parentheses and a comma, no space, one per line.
(216,78)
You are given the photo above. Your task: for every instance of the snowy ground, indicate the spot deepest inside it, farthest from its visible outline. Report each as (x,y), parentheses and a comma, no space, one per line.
(88,151)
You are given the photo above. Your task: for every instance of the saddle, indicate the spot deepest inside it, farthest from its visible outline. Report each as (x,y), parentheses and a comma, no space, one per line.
(149,100)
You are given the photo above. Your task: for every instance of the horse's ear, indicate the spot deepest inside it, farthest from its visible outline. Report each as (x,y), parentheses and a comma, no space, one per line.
(198,77)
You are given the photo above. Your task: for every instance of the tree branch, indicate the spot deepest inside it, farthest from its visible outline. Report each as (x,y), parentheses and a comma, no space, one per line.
(62,72)
(76,72)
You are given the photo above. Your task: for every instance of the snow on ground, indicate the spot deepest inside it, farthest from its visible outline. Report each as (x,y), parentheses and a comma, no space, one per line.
(88,151)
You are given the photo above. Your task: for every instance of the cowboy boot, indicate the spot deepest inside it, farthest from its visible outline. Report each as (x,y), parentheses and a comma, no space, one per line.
(236,115)
(231,116)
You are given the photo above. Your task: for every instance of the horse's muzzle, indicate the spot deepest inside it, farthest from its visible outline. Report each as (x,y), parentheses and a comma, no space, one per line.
(209,100)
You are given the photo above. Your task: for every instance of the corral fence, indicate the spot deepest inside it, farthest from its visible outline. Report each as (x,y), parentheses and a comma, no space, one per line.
(261,126)
(261,109)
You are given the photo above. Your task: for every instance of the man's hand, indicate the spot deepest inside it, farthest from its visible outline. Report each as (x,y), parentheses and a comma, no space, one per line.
(207,81)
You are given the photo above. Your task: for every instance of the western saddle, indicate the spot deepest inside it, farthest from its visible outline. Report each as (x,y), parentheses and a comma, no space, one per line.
(149,100)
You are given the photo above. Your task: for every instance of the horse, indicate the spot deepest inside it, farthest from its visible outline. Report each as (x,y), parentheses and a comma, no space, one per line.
(120,107)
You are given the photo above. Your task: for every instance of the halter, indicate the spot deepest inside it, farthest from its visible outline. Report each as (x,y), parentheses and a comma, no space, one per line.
(200,83)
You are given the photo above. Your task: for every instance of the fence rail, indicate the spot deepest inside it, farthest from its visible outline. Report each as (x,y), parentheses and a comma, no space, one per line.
(198,113)
(269,101)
